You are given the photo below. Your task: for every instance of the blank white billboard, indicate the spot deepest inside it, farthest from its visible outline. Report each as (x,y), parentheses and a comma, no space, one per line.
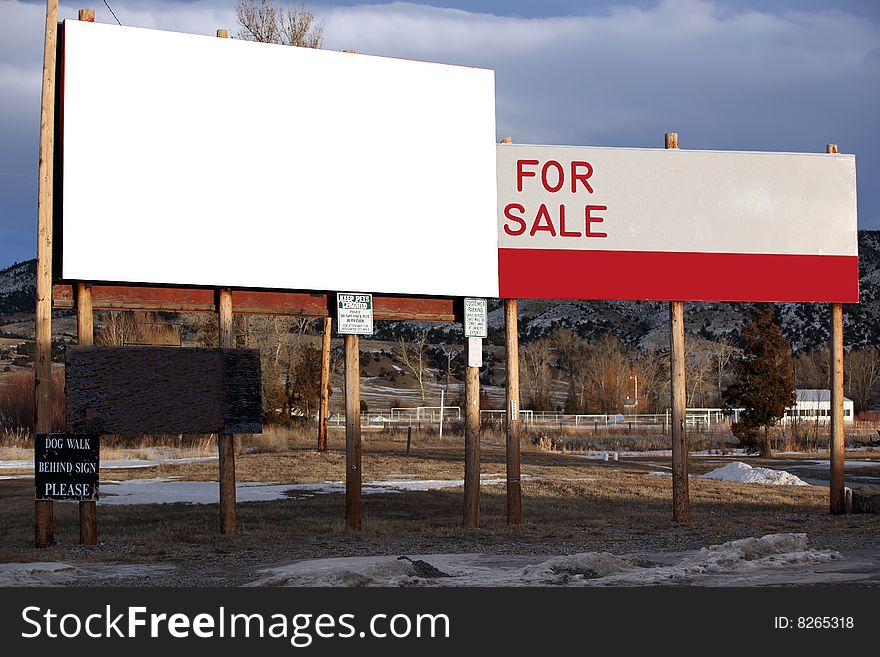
(203,161)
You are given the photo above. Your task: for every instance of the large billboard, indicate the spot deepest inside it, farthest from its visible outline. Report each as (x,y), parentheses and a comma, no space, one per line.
(193,160)
(626,223)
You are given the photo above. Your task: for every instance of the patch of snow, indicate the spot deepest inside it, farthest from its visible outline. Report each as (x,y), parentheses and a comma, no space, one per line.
(848,464)
(169,490)
(56,573)
(744,473)
(768,559)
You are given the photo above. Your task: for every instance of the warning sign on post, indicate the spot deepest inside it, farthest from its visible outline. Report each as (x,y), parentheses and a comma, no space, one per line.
(475,318)
(354,313)
(66,467)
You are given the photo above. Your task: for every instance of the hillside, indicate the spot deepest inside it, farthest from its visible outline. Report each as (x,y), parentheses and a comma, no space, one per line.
(635,322)
(646,322)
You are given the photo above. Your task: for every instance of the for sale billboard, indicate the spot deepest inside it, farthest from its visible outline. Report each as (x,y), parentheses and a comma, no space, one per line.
(627,223)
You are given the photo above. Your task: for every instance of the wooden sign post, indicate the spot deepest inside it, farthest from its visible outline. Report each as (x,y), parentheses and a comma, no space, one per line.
(475,329)
(226,442)
(471,443)
(514,487)
(44,530)
(324,408)
(354,317)
(681,511)
(352,433)
(837,500)
(511,423)
(85,334)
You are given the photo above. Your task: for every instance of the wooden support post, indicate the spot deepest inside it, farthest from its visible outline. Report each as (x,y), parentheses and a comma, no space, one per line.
(681,507)
(44,524)
(511,422)
(836,446)
(226,442)
(680,496)
(837,502)
(512,425)
(471,442)
(324,407)
(85,335)
(352,433)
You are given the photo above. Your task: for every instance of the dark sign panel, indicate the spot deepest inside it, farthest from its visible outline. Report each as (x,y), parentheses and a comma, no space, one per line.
(157,390)
(66,467)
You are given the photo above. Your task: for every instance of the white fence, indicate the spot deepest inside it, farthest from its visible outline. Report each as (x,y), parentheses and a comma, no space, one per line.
(425,414)
(696,418)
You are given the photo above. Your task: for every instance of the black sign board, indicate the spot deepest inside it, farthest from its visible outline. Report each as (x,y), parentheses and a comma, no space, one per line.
(160,390)
(66,467)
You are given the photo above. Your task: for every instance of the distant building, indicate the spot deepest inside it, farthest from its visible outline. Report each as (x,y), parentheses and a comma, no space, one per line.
(814,405)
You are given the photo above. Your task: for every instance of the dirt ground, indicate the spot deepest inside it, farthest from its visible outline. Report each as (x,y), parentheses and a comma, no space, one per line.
(571,504)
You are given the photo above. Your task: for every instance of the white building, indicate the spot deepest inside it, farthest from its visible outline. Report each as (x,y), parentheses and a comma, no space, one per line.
(813,405)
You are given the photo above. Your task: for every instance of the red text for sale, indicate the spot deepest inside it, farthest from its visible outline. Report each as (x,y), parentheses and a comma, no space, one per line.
(558,220)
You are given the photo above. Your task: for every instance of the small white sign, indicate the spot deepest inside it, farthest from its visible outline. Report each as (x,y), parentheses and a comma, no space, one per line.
(475,352)
(354,313)
(476,323)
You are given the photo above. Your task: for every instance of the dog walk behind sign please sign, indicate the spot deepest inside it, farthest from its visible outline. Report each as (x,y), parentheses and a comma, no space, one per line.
(354,313)
(66,467)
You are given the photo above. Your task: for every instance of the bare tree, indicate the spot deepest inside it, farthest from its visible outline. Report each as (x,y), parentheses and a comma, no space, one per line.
(262,21)
(862,372)
(120,328)
(568,347)
(722,352)
(413,356)
(652,366)
(812,369)
(536,358)
(607,374)
(698,366)
(451,352)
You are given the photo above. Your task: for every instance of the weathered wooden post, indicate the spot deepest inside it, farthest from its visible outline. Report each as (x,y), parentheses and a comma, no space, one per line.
(226,442)
(324,411)
(681,511)
(44,525)
(352,433)
(85,335)
(837,492)
(511,423)
(471,437)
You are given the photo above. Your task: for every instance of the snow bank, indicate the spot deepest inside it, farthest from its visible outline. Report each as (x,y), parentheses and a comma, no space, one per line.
(775,558)
(745,473)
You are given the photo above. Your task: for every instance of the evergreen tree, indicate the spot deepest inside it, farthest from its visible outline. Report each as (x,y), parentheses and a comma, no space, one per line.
(764,383)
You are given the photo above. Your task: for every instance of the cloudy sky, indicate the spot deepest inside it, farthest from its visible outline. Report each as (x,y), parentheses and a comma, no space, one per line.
(785,75)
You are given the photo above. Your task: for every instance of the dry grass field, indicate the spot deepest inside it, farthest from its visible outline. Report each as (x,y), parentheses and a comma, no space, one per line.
(571,504)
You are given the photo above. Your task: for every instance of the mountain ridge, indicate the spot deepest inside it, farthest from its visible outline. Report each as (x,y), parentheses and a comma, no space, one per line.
(641,323)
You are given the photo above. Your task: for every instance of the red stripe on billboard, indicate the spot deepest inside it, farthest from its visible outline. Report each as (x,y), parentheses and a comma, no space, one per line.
(660,275)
